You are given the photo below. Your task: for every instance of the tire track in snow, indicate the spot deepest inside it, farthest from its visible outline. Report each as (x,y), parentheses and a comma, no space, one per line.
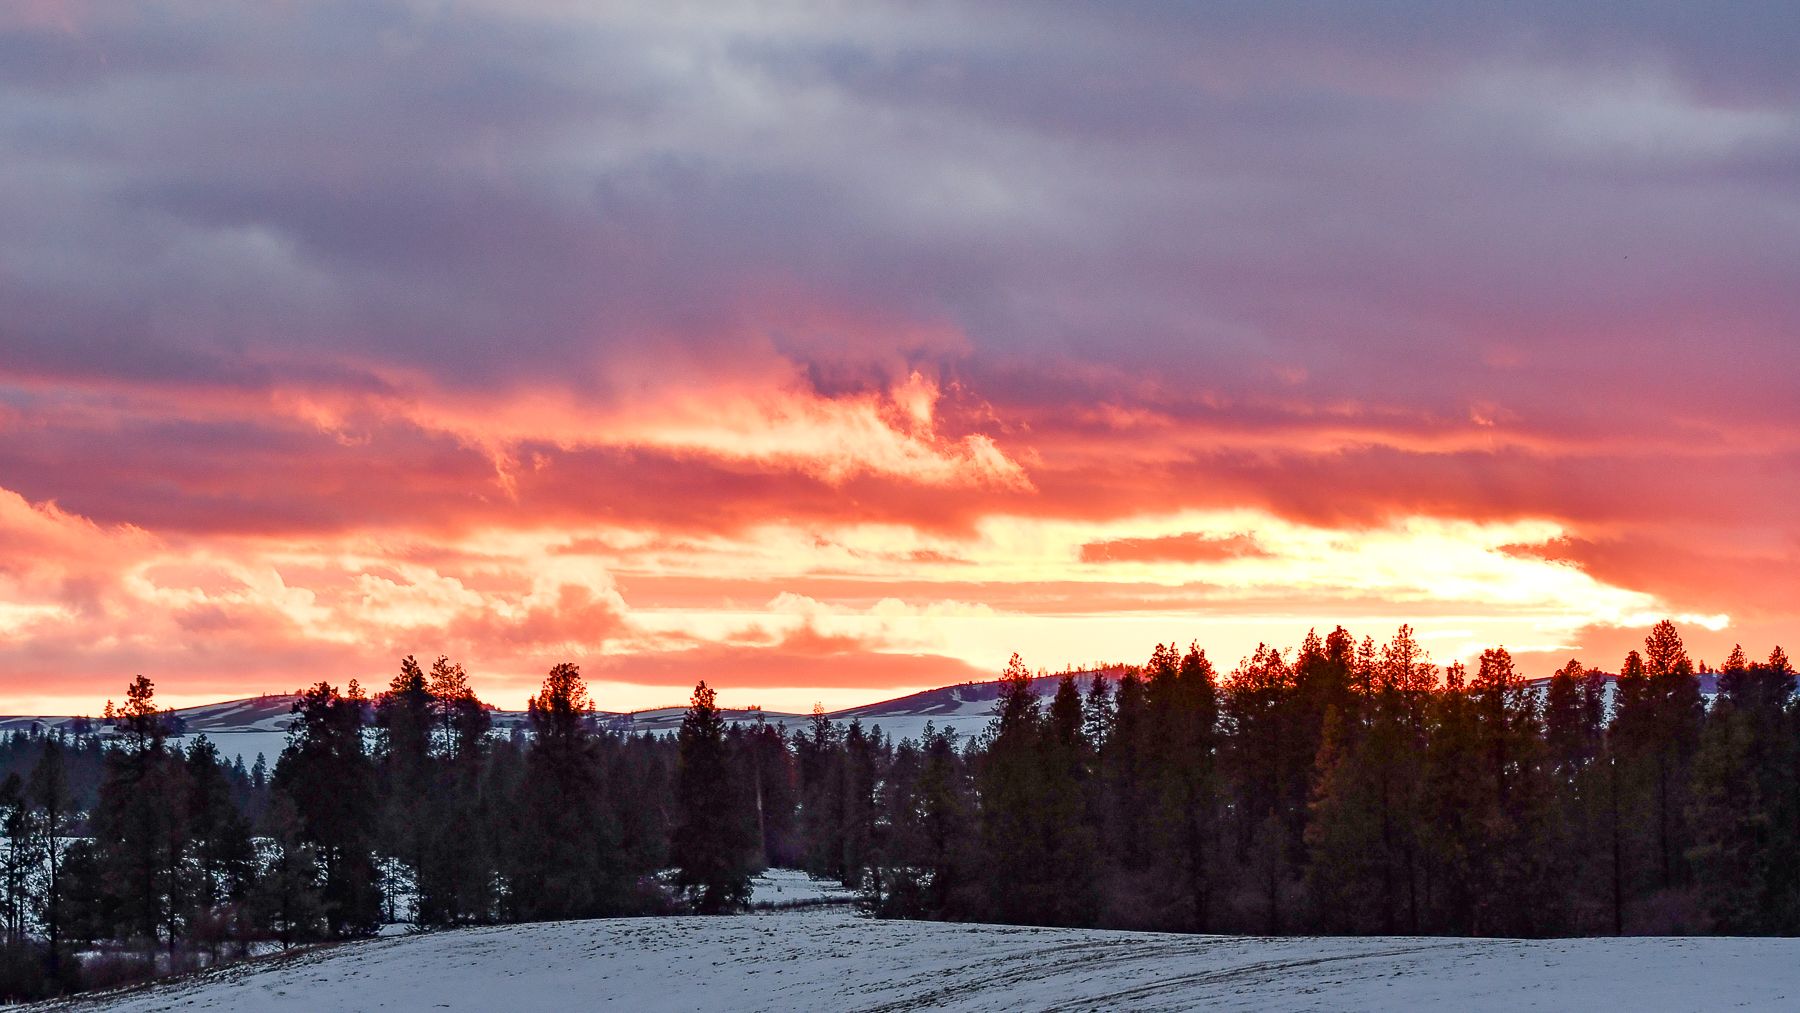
(1252,973)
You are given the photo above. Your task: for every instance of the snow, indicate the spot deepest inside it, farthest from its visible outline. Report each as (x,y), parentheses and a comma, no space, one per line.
(247,744)
(912,726)
(776,887)
(257,724)
(257,713)
(829,959)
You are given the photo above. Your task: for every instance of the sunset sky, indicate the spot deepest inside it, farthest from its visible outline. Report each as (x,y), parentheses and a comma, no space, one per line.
(827,352)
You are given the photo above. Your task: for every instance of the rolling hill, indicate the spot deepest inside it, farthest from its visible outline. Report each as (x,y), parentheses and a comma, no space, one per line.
(831,959)
(258,725)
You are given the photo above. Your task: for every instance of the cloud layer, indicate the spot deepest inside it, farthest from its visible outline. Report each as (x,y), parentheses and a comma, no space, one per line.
(528,331)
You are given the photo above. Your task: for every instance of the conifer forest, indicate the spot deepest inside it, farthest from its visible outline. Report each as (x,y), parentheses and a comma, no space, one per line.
(1343,787)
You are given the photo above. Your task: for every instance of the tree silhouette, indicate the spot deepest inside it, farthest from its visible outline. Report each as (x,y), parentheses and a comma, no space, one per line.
(709,847)
(326,773)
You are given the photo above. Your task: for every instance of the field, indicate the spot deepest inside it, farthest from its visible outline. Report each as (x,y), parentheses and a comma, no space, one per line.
(831,959)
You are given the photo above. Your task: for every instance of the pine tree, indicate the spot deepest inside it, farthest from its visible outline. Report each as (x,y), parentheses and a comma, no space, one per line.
(709,849)
(433,734)
(859,774)
(566,857)
(53,821)
(1743,810)
(224,856)
(405,722)
(1097,710)
(1512,871)
(87,909)
(1347,861)
(462,721)
(774,792)
(946,818)
(1260,706)
(1454,808)
(819,764)
(1126,757)
(327,775)
(1073,844)
(1020,881)
(139,824)
(20,857)
(1677,720)
(1580,770)
(286,898)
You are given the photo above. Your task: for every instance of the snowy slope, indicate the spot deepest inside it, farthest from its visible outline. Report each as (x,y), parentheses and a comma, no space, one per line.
(252,714)
(257,725)
(964,709)
(1709,687)
(830,960)
(233,745)
(786,887)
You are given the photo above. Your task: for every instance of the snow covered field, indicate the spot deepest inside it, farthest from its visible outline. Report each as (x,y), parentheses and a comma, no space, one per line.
(829,959)
(780,887)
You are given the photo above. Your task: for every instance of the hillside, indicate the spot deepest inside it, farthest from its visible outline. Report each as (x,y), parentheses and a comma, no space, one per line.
(832,960)
(257,725)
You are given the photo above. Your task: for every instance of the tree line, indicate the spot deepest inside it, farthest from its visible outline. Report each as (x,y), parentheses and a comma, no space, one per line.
(1347,788)
(126,857)
(1343,787)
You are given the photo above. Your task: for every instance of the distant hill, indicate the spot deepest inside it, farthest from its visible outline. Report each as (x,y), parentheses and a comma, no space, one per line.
(259,724)
(1709,684)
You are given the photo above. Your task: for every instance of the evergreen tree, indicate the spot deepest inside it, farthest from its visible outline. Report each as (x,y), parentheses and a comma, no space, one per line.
(53,821)
(1512,871)
(1261,705)
(773,781)
(1677,718)
(20,858)
(1348,870)
(1021,884)
(567,861)
(1469,805)
(87,911)
(819,764)
(1743,810)
(1580,772)
(463,722)
(224,856)
(1097,711)
(139,824)
(1456,808)
(1403,679)
(860,771)
(1127,793)
(1073,841)
(286,898)
(709,849)
(327,774)
(405,720)
(930,864)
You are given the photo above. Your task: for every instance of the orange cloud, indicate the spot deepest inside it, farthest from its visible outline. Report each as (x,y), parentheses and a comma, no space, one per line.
(1189,547)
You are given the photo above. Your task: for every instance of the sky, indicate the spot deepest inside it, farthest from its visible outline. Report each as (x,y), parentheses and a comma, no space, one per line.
(828,351)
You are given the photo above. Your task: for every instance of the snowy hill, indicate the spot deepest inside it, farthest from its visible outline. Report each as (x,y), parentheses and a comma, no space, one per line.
(833,960)
(257,725)
(254,714)
(1709,686)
